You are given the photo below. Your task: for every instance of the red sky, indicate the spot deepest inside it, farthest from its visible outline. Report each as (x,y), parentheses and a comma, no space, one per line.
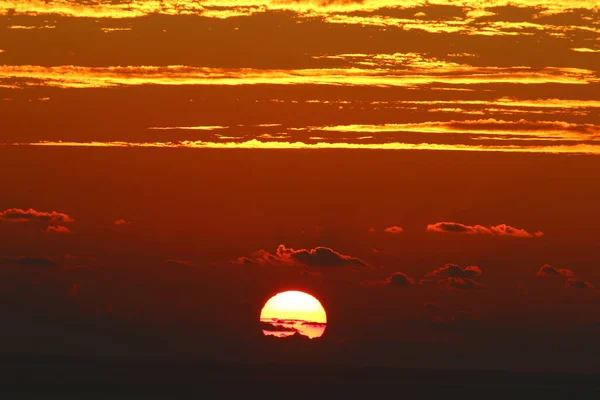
(429,171)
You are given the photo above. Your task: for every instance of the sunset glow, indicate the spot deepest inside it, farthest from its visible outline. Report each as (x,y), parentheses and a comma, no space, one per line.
(426,170)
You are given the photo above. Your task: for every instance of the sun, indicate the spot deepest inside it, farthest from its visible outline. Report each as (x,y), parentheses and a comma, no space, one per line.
(291,312)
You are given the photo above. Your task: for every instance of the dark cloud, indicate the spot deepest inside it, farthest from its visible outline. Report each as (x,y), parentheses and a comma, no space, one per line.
(396,279)
(33,261)
(400,279)
(452,276)
(267,326)
(19,215)
(497,230)
(58,229)
(315,324)
(455,271)
(573,283)
(317,257)
(459,283)
(549,270)
(568,275)
(179,262)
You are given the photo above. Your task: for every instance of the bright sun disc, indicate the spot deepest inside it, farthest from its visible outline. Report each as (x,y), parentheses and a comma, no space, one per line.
(292,312)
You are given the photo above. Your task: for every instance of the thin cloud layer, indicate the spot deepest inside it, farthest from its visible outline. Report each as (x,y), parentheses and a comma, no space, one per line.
(497,230)
(317,257)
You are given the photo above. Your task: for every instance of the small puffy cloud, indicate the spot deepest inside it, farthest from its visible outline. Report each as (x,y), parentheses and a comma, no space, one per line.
(549,270)
(58,229)
(400,279)
(179,262)
(452,276)
(495,230)
(19,215)
(26,261)
(394,230)
(121,222)
(456,271)
(568,275)
(396,279)
(573,283)
(317,257)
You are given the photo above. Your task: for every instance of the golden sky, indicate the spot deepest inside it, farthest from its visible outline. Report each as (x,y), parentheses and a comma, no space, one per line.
(372,74)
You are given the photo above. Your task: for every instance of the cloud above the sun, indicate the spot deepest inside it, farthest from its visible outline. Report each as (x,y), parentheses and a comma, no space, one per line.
(318,257)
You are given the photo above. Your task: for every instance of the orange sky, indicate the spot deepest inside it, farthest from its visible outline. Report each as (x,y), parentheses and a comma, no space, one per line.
(428,170)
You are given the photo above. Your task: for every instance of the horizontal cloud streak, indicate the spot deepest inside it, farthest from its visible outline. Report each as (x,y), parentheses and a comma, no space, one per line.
(497,230)
(257,144)
(69,76)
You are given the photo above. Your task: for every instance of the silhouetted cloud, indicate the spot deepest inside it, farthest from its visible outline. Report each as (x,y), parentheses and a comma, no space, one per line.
(496,230)
(179,262)
(393,230)
(20,215)
(549,270)
(459,283)
(315,324)
(570,281)
(574,283)
(317,257)
(400,279)
(452,276)
(58,229)
(455,271)
(396,279)
(33,261)
(267,326)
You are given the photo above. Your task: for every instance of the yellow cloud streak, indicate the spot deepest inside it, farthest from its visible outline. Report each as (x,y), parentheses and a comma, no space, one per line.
(549,129)
(256,144)
(89,77)
(224,8)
